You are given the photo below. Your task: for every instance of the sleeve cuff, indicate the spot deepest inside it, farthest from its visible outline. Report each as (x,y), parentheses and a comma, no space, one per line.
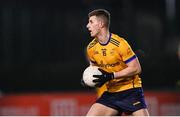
(130,59)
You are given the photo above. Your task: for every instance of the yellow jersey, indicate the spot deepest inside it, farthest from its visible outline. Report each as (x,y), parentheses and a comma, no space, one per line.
(112,57)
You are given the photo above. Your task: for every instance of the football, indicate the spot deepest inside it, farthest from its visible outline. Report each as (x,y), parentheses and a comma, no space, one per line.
(88,75)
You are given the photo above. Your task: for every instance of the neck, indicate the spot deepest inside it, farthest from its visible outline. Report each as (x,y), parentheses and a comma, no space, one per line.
(103,36)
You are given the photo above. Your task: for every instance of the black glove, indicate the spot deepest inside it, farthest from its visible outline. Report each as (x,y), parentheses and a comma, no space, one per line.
(102,78)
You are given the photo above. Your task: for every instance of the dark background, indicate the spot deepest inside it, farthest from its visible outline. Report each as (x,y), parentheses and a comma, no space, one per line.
(42,42)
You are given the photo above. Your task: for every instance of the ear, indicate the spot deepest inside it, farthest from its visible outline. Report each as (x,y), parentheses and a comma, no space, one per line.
(101,23)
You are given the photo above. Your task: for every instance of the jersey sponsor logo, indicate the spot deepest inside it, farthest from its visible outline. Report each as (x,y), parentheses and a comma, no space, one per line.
(108,65)
(112,51)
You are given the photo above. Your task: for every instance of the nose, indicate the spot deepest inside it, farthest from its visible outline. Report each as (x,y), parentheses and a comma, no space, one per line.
(87,26)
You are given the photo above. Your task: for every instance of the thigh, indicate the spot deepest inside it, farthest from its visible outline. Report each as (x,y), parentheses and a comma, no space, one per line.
(141,112)
(133,101)
(98,109)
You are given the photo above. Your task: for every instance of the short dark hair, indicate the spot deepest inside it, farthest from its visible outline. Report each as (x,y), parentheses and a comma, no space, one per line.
(102,13)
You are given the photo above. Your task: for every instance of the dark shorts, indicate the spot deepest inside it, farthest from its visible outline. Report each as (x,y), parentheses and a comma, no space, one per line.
(125,101)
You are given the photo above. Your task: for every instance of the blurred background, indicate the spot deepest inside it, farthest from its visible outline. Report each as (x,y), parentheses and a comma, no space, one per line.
(42,43)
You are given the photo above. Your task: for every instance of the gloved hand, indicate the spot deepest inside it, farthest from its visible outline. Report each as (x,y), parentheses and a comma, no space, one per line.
(101,79)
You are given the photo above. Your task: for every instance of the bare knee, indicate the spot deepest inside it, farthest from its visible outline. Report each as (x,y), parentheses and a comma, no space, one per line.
(101,110)
(141,112)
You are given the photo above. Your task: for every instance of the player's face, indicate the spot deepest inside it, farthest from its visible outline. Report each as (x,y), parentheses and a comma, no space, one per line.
(93,26)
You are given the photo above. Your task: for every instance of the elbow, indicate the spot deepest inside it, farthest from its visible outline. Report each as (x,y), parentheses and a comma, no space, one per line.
(138,70)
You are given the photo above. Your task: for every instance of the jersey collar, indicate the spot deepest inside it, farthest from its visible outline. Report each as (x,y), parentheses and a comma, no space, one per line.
(103,44)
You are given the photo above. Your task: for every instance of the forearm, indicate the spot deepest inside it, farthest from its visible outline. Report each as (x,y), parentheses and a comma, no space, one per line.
(127,72)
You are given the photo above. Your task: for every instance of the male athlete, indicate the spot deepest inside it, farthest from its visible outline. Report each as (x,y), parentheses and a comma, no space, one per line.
(120,68)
